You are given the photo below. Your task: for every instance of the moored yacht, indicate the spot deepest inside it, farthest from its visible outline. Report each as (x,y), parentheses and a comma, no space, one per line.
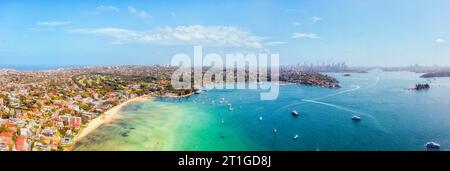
(295,113)
(432,145)
(356,118)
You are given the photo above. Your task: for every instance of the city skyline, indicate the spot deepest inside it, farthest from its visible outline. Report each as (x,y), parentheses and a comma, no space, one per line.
(369,33)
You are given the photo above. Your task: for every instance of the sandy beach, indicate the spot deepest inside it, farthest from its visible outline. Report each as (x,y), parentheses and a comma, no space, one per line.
(107,117)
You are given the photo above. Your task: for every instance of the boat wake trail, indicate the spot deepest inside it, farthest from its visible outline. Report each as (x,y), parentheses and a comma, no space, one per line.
(355,112)
(320,98)
(347,110)
(332,105)
(338,93)
(375,83)
(355,87)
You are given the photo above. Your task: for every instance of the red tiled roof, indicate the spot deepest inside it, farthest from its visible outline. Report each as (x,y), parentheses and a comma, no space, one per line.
(20,143)
(6,136)
(8,123)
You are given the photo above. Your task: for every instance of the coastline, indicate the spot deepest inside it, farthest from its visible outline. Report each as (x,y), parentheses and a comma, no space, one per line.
(173,95)
(106,117)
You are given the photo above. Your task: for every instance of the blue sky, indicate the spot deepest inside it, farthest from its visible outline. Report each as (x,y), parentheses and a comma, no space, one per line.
(360,33)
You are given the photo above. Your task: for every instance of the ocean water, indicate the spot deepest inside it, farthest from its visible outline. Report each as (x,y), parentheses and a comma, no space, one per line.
(392,118)
(35,67)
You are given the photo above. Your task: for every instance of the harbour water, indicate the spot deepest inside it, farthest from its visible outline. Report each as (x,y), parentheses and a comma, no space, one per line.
(392,118)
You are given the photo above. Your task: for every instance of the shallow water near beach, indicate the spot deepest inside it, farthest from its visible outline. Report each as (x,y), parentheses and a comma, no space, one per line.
(392,118)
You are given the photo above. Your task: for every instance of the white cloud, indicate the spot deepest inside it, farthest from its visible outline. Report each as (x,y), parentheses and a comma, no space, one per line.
(173,14)
(297,23)
(119,35)
(132,9)
(274,43)
(192,35)
(290,10)
(107,8)
(305,35)
(315,19)
(141,14)
(440,40)
(52,23)
(41,29)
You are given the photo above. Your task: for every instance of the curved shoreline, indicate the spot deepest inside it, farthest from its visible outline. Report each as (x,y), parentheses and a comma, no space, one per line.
(106,117)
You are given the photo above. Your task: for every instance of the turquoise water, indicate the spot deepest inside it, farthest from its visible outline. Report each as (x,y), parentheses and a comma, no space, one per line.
(392,118)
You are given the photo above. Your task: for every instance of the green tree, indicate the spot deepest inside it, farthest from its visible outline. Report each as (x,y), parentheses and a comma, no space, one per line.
(3,128)
(84,106)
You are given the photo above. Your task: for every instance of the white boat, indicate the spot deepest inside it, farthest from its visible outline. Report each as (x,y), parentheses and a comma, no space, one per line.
(274,130)
(295,113)
(432,145)
(260,118)
(295,137)
(356,118)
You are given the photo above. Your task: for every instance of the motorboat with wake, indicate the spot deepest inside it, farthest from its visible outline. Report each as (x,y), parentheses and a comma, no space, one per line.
(295,113)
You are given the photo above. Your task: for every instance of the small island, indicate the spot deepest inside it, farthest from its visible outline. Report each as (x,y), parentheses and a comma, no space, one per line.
(436,74)
(420,87)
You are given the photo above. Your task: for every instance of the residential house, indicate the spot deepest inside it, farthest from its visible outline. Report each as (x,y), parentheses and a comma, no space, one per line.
(21,144)
(5,141)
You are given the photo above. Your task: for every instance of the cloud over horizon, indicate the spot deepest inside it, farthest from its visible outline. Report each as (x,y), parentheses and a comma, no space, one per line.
(315,19)
(440,40)
(141,14)
(107,8)
(296,35)
(274,43)
(52,23)
(181,35)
